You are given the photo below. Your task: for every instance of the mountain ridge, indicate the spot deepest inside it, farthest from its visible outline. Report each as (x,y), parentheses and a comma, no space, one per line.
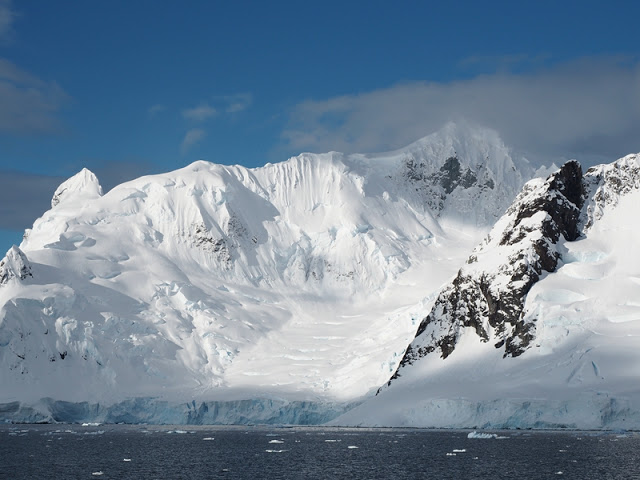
(300,284)
(300,280)
(575,326)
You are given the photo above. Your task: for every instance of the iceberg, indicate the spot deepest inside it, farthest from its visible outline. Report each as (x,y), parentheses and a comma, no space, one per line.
(481,435)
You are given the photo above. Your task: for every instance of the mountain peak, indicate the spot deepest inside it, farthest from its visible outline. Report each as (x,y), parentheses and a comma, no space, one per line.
(83,184)
(14,265)
(462,173)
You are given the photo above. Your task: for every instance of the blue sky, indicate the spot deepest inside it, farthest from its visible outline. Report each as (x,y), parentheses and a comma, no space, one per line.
(132,87)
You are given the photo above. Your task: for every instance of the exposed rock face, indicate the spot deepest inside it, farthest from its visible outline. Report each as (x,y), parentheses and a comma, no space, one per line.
(204,239)
(451,175)
(14,265)
(436,186)
(488,294)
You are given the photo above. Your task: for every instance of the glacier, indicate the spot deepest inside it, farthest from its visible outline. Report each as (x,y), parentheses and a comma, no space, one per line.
(148,410)
(492,295)
(301,281)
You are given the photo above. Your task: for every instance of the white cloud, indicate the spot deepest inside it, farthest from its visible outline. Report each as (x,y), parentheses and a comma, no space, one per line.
(238,102)
(225,104)
(200,113)
(27,103)
(588,109)
(192,137)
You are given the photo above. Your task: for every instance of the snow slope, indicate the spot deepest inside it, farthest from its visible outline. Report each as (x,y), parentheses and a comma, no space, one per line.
(300,281)
(576,331)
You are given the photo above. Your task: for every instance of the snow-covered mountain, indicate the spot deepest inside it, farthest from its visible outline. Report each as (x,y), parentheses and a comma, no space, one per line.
(221,293)
(541,326)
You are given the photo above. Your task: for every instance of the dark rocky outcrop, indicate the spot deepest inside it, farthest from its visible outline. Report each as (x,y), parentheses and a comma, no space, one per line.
(435,186)
(488,294)
(205,240)
(451,175)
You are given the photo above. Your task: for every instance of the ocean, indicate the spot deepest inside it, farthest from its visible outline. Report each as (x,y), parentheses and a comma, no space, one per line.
(211,452)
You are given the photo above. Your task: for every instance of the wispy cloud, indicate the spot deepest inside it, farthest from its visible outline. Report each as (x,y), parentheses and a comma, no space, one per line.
(200,113)
(238,102)
(7,16)
(27,103)
(222,104)
(192,137)
(587,109)
(156,109)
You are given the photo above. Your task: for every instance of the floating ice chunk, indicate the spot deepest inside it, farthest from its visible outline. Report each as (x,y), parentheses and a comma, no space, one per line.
(459,450)
(332,441)
(208,438)
(276,451)
(449,454)
(276,441)
(481,435)
(97,474)
(91,424)
(126,459)
(352,446)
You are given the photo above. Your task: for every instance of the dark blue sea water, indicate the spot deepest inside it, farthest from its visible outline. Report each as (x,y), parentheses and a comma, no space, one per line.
(161,452)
